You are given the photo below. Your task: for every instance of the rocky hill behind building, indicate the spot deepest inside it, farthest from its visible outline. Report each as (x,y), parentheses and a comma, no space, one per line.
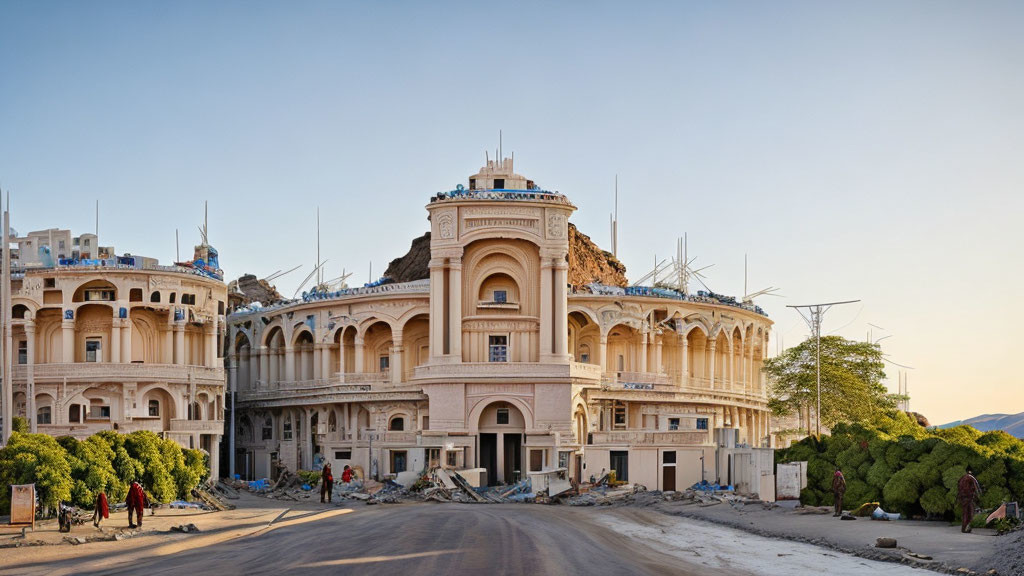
(248,289)
(587,262)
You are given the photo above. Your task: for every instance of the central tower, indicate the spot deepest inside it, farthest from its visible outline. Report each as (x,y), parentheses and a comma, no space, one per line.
(499,373)
(499,271)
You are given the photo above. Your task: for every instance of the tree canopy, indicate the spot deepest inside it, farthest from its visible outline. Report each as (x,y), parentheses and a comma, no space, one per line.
(851,381)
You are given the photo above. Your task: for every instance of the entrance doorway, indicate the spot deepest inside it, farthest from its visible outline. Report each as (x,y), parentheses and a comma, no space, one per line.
(668,471)
(489,456)
(620,464)
(513,458)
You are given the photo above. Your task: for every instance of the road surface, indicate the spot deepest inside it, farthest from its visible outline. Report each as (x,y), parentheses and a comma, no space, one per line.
(407,539)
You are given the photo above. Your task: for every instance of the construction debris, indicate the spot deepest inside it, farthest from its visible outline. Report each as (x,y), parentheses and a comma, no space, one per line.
(185,528)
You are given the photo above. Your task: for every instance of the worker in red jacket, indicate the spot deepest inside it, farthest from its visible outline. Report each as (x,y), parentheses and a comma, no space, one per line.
(100,510)
(346,474)
(136,501)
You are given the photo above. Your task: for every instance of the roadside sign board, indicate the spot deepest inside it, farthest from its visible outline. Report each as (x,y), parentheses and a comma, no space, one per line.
(23,505)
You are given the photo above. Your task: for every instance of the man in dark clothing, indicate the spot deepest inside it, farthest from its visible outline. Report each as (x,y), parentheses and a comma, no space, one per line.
(967,492)
(135,501)
(326,483)
(838,490)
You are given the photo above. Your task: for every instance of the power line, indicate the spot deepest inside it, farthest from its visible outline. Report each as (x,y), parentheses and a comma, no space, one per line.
(813,318)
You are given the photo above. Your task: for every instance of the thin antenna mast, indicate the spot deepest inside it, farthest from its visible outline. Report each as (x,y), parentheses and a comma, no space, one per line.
(813,318)
(97,220)
(319,274)
(177,247)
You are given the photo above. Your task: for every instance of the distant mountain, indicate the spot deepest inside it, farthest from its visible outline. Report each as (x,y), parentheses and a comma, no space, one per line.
(1011,423)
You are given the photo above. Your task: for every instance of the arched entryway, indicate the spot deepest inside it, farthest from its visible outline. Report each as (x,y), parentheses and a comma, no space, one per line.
(501,429)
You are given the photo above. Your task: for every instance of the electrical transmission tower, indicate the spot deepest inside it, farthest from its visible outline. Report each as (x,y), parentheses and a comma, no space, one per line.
(813,318)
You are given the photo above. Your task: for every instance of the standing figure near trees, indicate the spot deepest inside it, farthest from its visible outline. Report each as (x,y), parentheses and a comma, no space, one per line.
(967,492)
(100,509)
(326,483)
(135,501)
(838,490)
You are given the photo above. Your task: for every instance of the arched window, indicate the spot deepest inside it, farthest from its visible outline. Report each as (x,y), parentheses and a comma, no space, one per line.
(43,415)
(154,297)
(397,424)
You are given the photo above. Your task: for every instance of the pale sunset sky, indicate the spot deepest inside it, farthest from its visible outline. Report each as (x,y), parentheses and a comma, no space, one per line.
(872,150)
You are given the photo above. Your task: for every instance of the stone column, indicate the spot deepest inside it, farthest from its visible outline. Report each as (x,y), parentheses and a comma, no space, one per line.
(561,309)
(115,339)
(30,379)
(318,355)
(395,360)
(342,350)
(437,321)
(214,458)
(711,346)
(264,359)
(359,355)
(643,353)
(289,364)
(67,333)
(602,353)
(179,343)
(126,338)
(214,357)
(546,309)
(455,307)
(684,361)
(657,354)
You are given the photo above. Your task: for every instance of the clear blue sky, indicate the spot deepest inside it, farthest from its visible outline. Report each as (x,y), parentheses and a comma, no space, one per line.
(871,150)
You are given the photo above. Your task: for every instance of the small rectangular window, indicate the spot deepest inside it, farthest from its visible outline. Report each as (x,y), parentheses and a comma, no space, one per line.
(49,283)
(500,296)
(97,412)
(702,423)
(92,350)
(673,423)
(585,358)
(154,408)
(499,183)
(502,415)
(385,363)
(620,416)
(472,183)
(497,348)
(343,455)
(43,415)
(668,457)
(563,459)
(452,458)
(22,352)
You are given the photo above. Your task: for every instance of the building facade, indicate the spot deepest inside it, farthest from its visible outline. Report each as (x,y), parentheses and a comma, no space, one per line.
(117,343)
(493,360)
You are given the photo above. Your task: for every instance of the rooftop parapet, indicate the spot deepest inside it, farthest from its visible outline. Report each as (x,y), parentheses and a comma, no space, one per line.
(703,297)
(531,195)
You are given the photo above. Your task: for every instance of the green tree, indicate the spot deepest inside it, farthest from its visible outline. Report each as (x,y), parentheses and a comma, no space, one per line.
(851,381)
(38,459)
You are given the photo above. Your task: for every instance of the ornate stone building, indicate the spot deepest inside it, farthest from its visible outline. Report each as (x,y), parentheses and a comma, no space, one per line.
(118,343)
(493,360)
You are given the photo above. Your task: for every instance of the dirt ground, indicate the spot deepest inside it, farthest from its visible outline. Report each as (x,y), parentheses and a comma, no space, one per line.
(950,550)
(273,537)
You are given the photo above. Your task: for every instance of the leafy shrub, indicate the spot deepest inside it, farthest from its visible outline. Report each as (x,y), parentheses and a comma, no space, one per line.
(909,469)
(39,459)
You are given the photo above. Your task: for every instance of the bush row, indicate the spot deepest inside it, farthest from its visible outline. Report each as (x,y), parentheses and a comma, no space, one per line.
(66,469)
(910,469)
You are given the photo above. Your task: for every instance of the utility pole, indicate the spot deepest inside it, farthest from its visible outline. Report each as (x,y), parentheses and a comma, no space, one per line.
(5,318)
(813,318)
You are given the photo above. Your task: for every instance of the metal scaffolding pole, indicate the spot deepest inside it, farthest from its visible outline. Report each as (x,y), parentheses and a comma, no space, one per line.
(813,318)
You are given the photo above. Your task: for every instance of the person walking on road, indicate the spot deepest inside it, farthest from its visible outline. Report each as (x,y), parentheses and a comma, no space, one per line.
(838,490)
(100,510)
(326,483)
(967,492)
(136,501)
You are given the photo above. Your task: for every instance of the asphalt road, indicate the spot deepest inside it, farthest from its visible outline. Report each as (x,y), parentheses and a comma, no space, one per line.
(411,539)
